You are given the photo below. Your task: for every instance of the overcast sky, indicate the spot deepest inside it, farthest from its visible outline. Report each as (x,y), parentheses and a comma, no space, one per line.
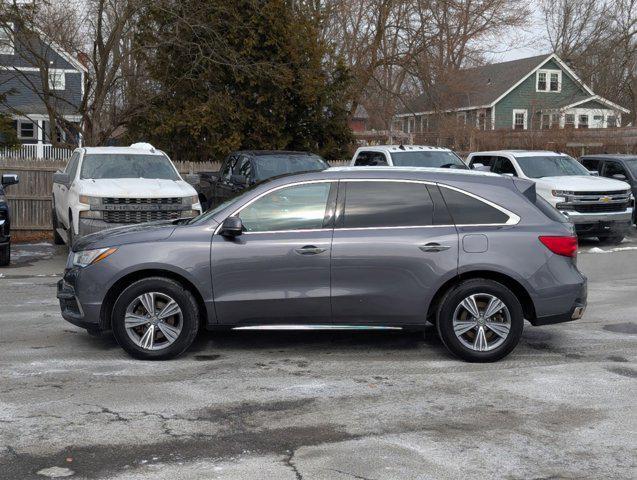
(523,43)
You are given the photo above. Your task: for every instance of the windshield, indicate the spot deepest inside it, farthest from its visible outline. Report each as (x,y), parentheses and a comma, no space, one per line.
(122,165)
(551,166)
(421,158)
(268,166)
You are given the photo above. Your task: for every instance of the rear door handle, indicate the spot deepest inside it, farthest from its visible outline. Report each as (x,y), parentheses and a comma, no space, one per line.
(309,250)
(434,247)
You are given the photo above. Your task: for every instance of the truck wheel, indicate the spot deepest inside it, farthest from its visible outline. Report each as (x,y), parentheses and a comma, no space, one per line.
(5,255)
(155,318)
(611,239)
(480,320)
(57,239)
(70,236)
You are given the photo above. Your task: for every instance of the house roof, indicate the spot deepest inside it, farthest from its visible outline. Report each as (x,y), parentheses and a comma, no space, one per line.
(476,87)
(360,112)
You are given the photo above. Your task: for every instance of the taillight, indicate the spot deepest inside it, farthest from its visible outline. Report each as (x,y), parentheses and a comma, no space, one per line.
(565,246)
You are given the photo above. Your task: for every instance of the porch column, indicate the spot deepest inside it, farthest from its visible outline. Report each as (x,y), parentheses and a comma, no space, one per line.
(40,144)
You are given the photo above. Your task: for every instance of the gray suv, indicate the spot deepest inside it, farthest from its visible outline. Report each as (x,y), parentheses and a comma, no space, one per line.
(346,248)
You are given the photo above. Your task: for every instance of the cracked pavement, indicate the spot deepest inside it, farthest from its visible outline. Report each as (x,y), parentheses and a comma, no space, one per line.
(286,405)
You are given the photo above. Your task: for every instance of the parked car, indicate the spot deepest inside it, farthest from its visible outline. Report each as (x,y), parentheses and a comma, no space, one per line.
(5,219)
(406,156)
(107,187)
(599,207)
(376,248)
(240,170)
(619,167)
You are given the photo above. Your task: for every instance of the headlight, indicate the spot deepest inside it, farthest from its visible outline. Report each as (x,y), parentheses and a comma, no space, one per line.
(561,193)
(89,257)
(190,200)
(93,201)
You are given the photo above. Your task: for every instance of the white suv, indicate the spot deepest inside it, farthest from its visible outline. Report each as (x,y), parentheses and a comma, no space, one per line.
(406,156)
(598,207)
(107,187)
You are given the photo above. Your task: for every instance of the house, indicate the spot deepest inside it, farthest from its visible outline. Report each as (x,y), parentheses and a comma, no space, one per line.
(358,121)
(531,93)
(27,60)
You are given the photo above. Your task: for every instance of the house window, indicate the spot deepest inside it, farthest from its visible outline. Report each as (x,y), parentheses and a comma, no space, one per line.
(582,121)
(26,130)
(57,79)
(461,118)
(519,119)
(611,121)
(569,120)
(548,81)
(6,40)
(546,120)
(412,125)
(555,119)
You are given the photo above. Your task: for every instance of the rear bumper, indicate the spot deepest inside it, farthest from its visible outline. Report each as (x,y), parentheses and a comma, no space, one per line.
(575,311)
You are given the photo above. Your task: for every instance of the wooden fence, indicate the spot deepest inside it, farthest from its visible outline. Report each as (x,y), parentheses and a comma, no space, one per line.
(30,200)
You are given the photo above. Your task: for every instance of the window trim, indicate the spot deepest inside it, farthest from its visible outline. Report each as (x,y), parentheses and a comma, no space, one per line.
(525,125)
(548,72)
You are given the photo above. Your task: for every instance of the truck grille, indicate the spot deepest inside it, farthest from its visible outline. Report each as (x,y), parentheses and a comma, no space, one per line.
(140,210)
(126,216)
(596,202)
(601,207)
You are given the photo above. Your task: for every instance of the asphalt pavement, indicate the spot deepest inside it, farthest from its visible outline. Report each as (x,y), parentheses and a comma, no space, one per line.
(286,405)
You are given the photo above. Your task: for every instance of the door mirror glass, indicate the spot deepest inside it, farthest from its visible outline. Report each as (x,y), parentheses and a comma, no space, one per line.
(619,176)
(9,179)
(231,227)
(61,178)
(594,173)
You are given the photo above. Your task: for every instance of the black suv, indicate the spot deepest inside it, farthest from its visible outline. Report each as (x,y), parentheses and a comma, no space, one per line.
(617,166)
(242,169)
(5,220)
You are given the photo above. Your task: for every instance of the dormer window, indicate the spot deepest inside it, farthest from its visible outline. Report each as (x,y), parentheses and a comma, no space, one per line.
(548,81)
(7,46)
(57,79)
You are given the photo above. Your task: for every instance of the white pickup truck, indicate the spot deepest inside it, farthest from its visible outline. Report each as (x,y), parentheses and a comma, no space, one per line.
(107,187)
(598,207)
(406,156)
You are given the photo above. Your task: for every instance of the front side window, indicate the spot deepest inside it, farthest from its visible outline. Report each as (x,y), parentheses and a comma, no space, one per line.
(592,164)
(424,158)
(614,168)
(268,166)
(504,166)
(387,204)
(467,210)
(538,166)
(298,207)
(122,165)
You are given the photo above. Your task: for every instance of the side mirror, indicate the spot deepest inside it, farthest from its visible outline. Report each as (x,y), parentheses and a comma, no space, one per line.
(62,178)
(594,173)
(9,179)
(231,227)
(239,179)
(619,176)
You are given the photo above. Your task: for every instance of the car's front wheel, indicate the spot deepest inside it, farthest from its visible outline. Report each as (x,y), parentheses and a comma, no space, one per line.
(155,318)
(480,320)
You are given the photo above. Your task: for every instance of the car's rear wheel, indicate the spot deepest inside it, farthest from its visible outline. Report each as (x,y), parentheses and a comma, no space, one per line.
(480,320)
(155,319)
(611,239)
(5,255)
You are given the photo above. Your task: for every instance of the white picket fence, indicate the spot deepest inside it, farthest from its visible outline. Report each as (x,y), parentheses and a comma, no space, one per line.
(37,151)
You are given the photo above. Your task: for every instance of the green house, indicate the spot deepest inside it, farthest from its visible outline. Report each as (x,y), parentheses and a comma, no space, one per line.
(531,93)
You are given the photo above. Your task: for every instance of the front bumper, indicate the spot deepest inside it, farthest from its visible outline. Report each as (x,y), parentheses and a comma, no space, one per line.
(87,225)
(84,316)
(610,223)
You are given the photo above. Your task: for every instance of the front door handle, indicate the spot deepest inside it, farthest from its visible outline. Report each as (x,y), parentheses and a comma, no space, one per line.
(434,247)
(309,250)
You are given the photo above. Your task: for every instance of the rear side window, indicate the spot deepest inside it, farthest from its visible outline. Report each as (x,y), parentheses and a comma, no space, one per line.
(467,210)
(386,204)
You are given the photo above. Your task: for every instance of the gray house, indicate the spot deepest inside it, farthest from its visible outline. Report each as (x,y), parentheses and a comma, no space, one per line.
(531,93)
(34,73)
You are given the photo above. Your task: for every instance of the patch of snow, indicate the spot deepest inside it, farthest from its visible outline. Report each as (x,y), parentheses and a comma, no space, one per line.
(610,250)
(55,472)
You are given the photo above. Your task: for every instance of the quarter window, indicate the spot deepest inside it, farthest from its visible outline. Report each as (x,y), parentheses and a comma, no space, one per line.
(467,210)
(299,207)
(387,204)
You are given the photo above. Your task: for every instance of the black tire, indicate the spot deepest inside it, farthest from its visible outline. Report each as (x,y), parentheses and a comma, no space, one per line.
(452,300)
(184,299)
(57,239)
(5,255)
(70,236)
(611,239)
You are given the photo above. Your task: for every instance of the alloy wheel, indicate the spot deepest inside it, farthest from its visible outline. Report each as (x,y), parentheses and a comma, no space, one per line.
(481,322)
(153,321)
